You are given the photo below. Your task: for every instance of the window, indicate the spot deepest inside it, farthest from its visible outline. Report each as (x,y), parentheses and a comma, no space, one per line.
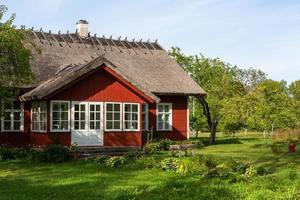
(164,116)
(80,116)
(12,116)
(145,114)
(60,116)
(39,117)
(113,116)
(95,117)
(131,116)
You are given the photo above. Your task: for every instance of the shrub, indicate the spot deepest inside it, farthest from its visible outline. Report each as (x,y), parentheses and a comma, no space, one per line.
(170,164)
(191,168)
(212,173)
(261,171)
(209,161)
(251,171)
(147,162)
(28,153)
(54,153)
(223,170)
(164,144)
(8,153)
(151,148)
(115,161)
(98,159)
(241,168)
(133,155)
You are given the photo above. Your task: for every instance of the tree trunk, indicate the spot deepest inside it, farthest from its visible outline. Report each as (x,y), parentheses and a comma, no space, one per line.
(213,131)
(272,128)
(197,132)
(212,125)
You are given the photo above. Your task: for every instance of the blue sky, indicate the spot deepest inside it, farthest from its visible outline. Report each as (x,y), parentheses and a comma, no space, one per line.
(263,34)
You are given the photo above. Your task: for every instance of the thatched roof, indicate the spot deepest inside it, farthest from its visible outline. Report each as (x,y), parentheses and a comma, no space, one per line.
(146,65)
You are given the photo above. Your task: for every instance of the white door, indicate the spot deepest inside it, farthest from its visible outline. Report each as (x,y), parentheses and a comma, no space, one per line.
(87,124)
(95,124)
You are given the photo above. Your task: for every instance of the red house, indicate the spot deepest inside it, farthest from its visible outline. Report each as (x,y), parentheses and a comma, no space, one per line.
(97,91)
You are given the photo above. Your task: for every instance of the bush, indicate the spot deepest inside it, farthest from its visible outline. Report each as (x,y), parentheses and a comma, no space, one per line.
(241,168)
(28,153)
(151,148)
(261,171)
(133,155)
(209,161)
(8,153)
(164,144)
(145,163)
(191,168)
(223,170)
(98,159)
(170,164)
(115,161)
(251,171)
(54,153)
(212,173)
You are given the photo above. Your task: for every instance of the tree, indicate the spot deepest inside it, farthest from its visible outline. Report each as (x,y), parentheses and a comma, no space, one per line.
(197,121)
(250,78)
(272,106)
(294,90)
(234,114)
(15,70)
(218,80)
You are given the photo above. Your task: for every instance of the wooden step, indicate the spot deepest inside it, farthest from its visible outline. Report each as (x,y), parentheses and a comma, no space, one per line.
(106,150)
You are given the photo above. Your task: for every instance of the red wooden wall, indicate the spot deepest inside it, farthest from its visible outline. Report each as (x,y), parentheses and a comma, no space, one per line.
(101,86)
(179,117)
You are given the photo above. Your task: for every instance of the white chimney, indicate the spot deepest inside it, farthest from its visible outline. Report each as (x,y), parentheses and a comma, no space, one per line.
(82,28)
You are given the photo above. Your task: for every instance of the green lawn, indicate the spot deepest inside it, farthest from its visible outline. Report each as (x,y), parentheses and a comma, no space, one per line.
(82,180)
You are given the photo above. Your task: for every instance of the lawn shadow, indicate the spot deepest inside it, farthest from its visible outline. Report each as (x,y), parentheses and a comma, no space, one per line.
(177,189)
(224,141)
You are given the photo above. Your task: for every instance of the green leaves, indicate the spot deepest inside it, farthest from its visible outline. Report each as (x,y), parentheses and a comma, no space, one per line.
(15,70)
(240,98)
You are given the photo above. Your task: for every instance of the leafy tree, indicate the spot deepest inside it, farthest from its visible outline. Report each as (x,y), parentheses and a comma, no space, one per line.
(239,98)
(15,70)
(294,90)
(197,121)
(234,114)
(250,78)
(272,107)
(218,80)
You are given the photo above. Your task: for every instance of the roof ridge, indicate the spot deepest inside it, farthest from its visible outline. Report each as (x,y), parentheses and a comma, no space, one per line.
(103,43)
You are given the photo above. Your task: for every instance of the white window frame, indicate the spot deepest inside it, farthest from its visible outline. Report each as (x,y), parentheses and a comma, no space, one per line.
(12,119)
(138,119)
(171,116)
(38,117)
(146,113)
(121,114)
(51,117)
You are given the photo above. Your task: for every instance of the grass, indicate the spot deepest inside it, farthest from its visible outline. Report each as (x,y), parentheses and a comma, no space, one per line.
(82,180)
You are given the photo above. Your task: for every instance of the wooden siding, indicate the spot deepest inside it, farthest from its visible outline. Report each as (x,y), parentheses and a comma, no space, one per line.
(179,117)
(102,87)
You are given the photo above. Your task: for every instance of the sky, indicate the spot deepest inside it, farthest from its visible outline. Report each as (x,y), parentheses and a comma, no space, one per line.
(262,34)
